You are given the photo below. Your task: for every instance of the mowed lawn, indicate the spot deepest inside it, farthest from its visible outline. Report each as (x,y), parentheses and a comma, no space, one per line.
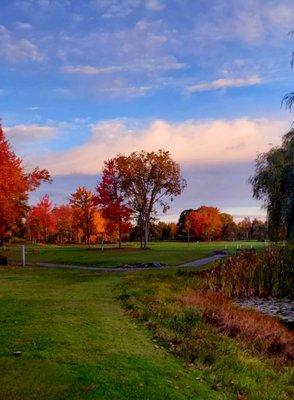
(171,253)
(77,343)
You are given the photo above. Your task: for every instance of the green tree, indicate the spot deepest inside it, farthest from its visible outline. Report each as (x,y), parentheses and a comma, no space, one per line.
(273,182)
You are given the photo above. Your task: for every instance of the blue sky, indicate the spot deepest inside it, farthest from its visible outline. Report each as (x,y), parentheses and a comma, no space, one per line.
(83,80)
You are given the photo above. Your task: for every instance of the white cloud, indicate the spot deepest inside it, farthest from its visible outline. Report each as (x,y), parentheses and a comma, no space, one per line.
(27,135)
(89,70)
(154,5)
(164,64)
(115,8)
(17,49)
(30,132)
(191,142)
(23,25)
(224,83)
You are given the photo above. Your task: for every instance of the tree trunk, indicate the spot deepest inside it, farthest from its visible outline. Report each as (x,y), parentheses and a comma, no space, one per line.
(145,233)
(119,232)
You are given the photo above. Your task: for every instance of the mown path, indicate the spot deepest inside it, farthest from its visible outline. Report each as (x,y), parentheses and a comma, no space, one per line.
(193,264)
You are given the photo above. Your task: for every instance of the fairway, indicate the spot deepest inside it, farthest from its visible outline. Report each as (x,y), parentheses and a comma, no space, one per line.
(76,343)
(170,253)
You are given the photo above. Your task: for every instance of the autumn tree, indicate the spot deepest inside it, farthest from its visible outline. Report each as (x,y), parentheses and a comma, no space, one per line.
(148,180)
(41,221)
(64,222)
(100,225)
(204,223)
(84,208)
(195,225)
(15,185)
(112,201)
(229,227)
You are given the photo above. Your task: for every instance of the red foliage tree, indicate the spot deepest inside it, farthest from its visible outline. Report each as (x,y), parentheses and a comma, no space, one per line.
(205,223)
(110,200)
(15,184)
(196,224)
(41,220)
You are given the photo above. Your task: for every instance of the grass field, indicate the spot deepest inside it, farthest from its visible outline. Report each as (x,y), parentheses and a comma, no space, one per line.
(76,342)
(171,253)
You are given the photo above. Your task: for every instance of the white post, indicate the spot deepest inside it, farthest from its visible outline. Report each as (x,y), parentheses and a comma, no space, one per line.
(23,255)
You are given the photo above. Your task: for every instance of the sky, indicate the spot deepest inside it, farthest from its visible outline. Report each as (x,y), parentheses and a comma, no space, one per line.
(83,80)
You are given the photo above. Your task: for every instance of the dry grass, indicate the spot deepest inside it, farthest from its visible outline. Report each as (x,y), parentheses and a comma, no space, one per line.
(260,332)
(267,273)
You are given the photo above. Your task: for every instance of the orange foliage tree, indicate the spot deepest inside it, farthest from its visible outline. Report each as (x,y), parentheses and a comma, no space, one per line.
(15,185)
(205,223)
(149,180)
(64,223)
(84,209)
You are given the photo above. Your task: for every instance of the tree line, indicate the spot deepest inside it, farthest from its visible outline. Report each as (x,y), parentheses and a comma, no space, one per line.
(132,190)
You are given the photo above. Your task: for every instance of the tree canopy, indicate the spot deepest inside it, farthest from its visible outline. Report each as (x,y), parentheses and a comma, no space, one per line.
(273,182)
(15,185)
(149,180)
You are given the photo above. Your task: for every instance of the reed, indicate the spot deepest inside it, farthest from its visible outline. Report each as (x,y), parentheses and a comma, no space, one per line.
(266,273)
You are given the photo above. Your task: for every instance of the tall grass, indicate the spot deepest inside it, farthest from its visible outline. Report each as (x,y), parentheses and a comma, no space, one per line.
(266,273)
(242,353)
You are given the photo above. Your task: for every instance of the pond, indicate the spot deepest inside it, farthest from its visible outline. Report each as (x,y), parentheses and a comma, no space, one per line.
(281,308)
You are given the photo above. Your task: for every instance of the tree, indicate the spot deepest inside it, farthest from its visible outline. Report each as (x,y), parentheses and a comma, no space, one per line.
(181,231)
(229,228)
(148,180)
(205,223)
(195,225)
(64,223)
(288,99)
(100,225)
(111,200)
(273,182)
(84,208)
(41,220)
(15,185)
(258,230)
(244,229)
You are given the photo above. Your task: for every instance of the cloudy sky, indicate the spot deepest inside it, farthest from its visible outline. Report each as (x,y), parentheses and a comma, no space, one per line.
(81,80)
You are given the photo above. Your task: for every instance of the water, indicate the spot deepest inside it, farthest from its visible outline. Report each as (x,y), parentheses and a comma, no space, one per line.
(281,308)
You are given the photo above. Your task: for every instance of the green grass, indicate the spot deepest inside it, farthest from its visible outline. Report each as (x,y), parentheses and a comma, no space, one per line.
(171,253)
(231,366)
(77,343)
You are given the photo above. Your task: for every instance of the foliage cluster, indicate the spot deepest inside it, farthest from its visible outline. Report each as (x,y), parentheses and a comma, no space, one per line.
(208,223)
(273,182)
(15,185)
